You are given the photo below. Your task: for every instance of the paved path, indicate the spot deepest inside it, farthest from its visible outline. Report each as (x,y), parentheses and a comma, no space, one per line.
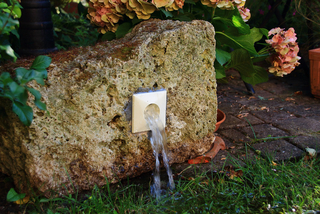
(280,120)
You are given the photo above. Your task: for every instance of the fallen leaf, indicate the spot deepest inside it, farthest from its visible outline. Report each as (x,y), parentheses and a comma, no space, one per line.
(271,98)
(274,163)
(221,180)
(264,108)
(289,99)
(307,157)
(307,109)
(311,152)
(298,92)
(223,158)
(252,97)
(242,115)
(232,147)
(23,201)
(206,182)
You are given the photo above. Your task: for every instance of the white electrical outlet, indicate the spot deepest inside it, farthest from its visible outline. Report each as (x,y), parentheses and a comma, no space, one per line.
(139,103)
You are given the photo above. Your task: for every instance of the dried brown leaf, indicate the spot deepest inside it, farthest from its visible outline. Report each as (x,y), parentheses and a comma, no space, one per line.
(289,99)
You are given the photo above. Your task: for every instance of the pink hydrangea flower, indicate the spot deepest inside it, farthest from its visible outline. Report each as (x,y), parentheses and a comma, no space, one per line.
(245,13)
(285,58)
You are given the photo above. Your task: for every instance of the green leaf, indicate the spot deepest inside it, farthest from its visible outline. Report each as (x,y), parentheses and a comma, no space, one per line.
(3,5)
(14,196)
(15,88)
(15,32)
(220,72)
(24,112)
(242,27)
(108,36)
(41,62)
(37,96)
(222,56)
(260,58)
(9,51)
(190,2)
(16,11)
(244,41)
(22,75)
(259,76)
(166,13)
(123,29)
(241,61)
(264,31)
(18,92)
(135,20)
(5,78)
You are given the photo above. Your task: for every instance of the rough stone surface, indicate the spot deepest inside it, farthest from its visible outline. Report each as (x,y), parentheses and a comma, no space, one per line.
(87,135)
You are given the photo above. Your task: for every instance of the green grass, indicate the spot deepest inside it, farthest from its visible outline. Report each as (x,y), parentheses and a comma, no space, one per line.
(259,187)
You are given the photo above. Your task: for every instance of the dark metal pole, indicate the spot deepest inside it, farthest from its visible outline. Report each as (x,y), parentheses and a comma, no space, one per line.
(36,28)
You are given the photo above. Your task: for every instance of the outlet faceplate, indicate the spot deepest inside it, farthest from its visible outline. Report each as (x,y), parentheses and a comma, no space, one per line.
(139,103)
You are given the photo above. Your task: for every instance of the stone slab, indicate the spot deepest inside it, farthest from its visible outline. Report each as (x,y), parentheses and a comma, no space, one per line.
(299,126)
(278,150)
(232,122)
(273,115)
(263,131)
(304,142)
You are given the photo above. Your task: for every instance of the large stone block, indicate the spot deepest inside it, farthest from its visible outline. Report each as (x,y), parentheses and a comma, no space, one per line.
(87,135)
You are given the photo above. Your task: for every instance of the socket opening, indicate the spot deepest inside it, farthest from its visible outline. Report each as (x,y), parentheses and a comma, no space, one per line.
(152,109)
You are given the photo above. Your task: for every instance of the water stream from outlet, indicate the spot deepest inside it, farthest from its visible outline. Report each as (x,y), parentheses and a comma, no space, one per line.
(159,145)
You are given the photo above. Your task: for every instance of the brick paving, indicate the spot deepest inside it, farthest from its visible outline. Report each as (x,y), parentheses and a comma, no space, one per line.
(280,120)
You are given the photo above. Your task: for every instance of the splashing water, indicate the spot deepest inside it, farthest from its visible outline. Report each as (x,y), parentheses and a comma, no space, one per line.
(159,144)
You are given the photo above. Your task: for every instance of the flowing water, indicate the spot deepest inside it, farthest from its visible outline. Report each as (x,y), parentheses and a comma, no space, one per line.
(159,145)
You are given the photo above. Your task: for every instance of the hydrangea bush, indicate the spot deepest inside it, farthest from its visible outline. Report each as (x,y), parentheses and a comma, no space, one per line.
(236,41)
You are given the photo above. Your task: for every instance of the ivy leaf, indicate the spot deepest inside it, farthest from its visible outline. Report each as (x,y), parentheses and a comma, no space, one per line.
(123,29)
(41,63)
(37,96)
(24,112)
(14,196)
